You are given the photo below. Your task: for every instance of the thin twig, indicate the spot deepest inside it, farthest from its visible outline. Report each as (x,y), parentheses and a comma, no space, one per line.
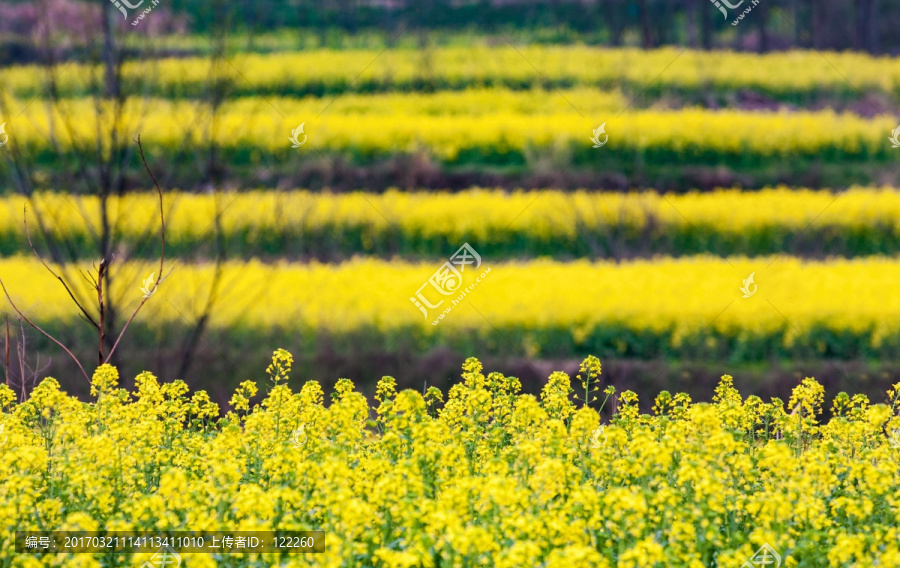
(35,326)
(162,256)
(38,370)
(58,277)
(101,328)
(28,376)
(20,351)
(6,366)
(89,278)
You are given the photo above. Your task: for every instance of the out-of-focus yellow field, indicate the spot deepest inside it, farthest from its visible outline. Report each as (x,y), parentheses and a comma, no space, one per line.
(483,215)
(537,301)
(261,124)
(796,73)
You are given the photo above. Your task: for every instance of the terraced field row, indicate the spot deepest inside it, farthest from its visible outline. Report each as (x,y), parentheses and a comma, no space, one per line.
(690,307)
(248,130)
(419,225)
(799,77)
(433,139)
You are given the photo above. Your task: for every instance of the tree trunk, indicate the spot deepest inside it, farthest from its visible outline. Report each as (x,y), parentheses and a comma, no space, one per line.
(109,51)
(705,32)
(819,24)
(865,25)
(613,22)
(874,46)
(762,18)
(690,19)
(646,36)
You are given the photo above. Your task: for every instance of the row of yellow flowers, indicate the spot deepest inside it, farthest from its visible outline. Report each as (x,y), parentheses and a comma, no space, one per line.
(489,477)
(247,129)
(547,222)
(644,308)
(793,74)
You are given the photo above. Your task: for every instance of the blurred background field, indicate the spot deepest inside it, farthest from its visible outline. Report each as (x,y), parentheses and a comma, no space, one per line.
(758,149)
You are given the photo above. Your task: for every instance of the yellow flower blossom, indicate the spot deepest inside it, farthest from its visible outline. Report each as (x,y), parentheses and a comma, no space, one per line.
(492,477)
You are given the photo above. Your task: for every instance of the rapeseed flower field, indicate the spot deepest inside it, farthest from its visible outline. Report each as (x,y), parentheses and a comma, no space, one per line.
(676,212)
(795,76)
(479,476)
(861,221)
(647,308)
(247,128)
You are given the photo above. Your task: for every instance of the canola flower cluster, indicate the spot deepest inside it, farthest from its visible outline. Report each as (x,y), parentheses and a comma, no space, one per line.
(861,221)
(795,76)
(246,130)
(663,307)
(487,476)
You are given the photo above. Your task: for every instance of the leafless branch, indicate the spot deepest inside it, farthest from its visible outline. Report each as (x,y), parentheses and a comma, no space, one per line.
(20,351)
(50,270)
(89,278)
(35,326)
(6,366)
(28,377)
(162,256)
(101,272)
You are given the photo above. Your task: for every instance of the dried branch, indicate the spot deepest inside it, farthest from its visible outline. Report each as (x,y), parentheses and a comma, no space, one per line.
(28,376)
(162,256)
(101,272)
(89,278)
(6,366)
(20,351)
(38,370)
(35,326)
(50,270)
